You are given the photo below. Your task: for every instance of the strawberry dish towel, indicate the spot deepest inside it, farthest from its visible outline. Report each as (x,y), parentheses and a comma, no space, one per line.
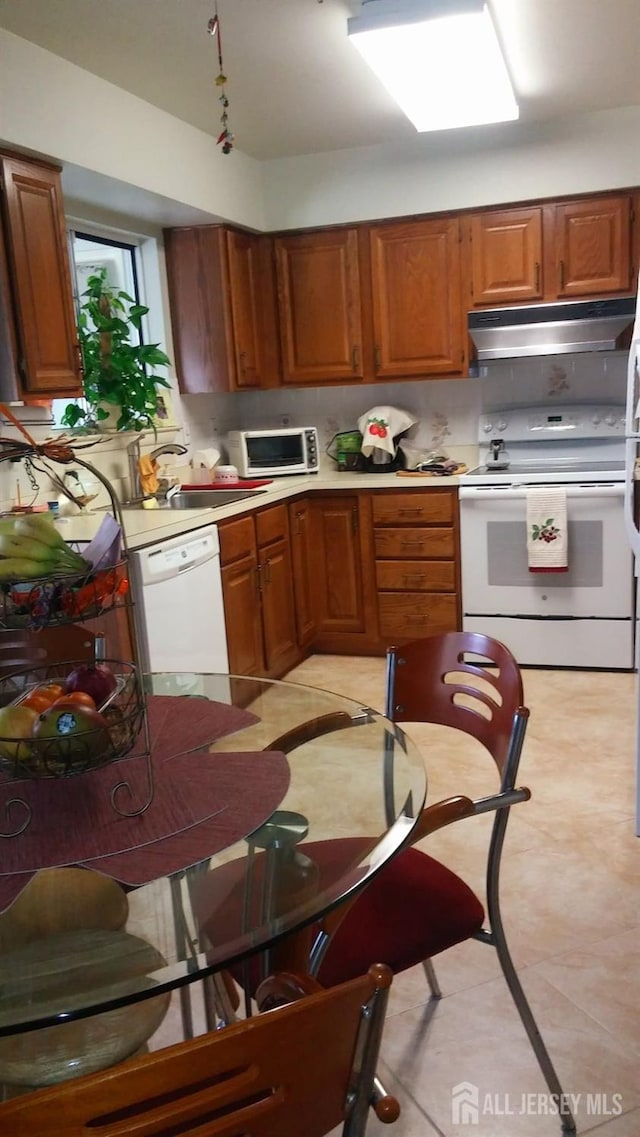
(547,544)
(379,428)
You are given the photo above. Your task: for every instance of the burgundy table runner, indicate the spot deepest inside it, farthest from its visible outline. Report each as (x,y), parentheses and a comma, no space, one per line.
(202,802)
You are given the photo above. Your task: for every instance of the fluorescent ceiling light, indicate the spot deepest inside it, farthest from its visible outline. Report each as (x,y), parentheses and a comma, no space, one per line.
(441,61)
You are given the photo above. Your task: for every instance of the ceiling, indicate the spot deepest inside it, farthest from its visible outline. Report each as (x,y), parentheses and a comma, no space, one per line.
(295,83)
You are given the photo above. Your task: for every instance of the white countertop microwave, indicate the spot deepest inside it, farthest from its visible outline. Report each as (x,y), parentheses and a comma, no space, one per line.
(269,453)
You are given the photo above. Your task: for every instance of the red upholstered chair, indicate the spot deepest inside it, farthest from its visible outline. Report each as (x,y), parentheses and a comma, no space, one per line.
(416,907)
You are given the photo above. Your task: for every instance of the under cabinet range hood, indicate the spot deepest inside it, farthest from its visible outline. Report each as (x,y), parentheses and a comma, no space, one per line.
(552,329)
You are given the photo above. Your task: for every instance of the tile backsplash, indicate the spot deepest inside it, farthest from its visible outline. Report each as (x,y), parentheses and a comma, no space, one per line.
(447,409)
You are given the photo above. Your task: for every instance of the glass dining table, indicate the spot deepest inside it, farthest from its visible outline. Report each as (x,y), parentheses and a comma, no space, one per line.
(262,806)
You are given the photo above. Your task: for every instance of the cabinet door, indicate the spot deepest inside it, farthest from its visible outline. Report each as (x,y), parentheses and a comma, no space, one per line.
(506,256)
(319,307)
(417,298)
(592,246)
(242,616)
(251,295)
(41,281)
(338,565)
(278,608)
(302,560)
(200,315)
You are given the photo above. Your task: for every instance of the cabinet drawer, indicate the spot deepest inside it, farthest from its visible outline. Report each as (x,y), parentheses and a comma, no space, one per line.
(415,614)
(416,576)
(429,507)
(236,539)
(406,544)
(271,525)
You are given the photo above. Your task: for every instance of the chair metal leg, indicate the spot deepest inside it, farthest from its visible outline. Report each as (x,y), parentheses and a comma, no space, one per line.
(499,941)
(432,979)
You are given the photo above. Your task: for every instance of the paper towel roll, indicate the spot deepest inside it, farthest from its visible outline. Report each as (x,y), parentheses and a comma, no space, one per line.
(206,459)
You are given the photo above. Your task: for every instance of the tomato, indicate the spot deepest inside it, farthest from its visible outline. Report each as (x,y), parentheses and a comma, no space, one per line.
(75,699)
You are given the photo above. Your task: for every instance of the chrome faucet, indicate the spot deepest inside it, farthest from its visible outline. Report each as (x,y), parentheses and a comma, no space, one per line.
(133,455)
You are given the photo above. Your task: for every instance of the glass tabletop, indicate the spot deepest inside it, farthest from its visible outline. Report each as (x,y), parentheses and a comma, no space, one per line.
(297,797)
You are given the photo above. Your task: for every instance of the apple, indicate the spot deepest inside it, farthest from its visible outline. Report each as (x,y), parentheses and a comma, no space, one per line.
(71,734)
(16,725)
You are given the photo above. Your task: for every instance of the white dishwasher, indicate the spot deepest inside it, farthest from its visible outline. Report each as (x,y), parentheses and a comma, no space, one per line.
(177,590)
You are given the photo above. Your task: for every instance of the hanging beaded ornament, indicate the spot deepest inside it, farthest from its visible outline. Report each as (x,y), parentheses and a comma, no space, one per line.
(226,138)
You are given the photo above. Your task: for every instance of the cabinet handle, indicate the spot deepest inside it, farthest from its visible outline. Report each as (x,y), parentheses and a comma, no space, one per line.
(413,581)
(561,276)
(354,519)
(406,546)
(377,358)
(259,584)
(241,360)
(267,571)
(415,512)
(537,276)
(355,357)
(78,351)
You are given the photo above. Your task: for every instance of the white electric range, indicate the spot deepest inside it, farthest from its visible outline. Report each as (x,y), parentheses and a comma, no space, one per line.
(580,618)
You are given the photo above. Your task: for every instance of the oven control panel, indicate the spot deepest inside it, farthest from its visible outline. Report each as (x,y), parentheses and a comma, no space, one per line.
(532,424)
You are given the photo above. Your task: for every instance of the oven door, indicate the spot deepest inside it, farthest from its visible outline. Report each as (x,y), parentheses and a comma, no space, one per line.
(501,597)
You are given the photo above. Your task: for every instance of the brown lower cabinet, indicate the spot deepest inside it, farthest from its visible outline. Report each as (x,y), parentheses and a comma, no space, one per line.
(339,572)
(416,543)
(302,554)
(257,586)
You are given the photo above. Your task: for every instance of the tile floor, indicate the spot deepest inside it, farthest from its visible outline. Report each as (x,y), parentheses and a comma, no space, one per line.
(571,908)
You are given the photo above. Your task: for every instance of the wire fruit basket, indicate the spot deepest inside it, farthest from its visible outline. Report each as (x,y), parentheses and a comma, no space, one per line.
(67,737)
(59,599)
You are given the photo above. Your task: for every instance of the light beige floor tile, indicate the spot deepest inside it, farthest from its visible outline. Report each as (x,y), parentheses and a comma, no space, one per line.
(627,1125)
(476,1037)
(604,980)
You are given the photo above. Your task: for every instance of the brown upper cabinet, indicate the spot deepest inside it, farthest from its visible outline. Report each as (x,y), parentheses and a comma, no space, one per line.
(417,298)
(554,251)
(222,299)
(43,357)
(319,306)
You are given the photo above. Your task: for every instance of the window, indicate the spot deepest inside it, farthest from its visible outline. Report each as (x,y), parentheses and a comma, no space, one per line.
(131,266)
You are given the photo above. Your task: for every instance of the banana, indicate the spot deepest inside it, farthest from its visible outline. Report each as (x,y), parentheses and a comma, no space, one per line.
(37,526)
(14,546)
(21,568)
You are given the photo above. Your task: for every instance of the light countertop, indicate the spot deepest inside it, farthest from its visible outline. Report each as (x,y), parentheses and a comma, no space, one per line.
(148,526)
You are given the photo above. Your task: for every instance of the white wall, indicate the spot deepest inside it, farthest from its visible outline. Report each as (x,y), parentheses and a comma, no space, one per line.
(118,150)
(489,165)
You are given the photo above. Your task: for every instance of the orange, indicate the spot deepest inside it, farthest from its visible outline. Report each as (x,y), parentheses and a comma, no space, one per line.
(54,690)
(77,699)
(38,700)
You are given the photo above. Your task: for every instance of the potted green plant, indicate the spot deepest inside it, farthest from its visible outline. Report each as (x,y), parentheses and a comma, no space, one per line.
(119,370)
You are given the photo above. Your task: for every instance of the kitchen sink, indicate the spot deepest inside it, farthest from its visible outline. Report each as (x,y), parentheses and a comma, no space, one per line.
(199,499)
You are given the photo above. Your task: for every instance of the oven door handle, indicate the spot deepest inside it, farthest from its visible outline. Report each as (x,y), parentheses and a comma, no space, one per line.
(513,493)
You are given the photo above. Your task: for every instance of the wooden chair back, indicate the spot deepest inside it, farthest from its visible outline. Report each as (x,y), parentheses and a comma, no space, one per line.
(433,680)
(299,1069)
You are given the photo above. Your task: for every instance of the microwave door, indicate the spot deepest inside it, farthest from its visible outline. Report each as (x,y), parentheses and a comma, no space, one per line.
(275,453)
